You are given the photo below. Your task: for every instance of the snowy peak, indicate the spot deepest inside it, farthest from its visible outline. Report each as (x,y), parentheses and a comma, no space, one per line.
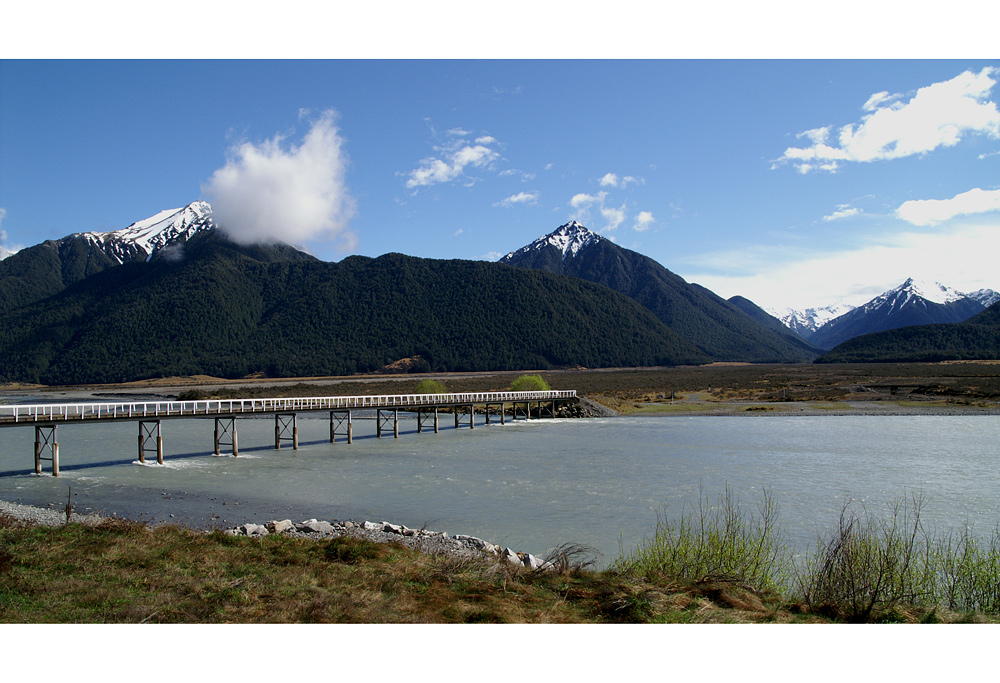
(568,239)
(986,297)
(144,238)
(914,292)
(807,321)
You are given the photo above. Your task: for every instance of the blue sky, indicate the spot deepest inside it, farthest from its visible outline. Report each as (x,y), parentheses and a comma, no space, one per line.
(792,182)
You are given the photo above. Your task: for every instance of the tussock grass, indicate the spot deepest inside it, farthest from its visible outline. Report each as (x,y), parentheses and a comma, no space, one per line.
(723,541)
(720,562)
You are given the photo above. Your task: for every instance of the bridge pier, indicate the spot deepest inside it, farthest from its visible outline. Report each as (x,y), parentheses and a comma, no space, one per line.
(45,439)
(460,411)
(337,425)
(228,425)
(285,424)
(525,413)
(501,412)
(425,414)
(384,421)
(149,431)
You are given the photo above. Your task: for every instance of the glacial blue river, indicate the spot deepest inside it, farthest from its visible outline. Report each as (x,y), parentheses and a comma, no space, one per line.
(528,485)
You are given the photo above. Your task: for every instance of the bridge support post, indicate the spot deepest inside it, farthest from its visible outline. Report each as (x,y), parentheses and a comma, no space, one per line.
(525,413)
(424,415)
(384,422)
(341,425)
(228,425)
(45,439)
(286,427)
(149,431)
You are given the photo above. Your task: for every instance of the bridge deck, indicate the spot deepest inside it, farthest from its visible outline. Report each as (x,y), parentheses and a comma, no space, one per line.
(11,415)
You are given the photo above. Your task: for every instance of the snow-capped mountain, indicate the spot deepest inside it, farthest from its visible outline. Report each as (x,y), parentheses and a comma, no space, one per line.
(712,325)
(806,322)
(44,269)
(144,238)
(568,239)
(915,302)
(987,297)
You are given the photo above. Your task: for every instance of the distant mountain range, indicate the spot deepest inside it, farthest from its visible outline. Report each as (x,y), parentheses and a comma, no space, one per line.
(977,338)
(914,302)
(170,295)
(716,327)
(195,303)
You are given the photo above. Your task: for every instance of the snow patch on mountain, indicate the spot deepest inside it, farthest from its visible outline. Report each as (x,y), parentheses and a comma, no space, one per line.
(987,297)
(807,321)
(144,238)
(568,239)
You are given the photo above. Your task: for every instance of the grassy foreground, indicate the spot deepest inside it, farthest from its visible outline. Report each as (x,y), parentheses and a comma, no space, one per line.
(718,564)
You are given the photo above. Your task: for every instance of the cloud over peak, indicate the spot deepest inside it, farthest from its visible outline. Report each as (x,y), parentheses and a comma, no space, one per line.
(938,115)
(272,192)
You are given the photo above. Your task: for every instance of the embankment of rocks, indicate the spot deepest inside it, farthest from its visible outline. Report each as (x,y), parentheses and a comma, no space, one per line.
(434,542)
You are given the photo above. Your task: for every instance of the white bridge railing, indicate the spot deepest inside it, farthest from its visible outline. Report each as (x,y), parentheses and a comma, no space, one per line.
(58,412)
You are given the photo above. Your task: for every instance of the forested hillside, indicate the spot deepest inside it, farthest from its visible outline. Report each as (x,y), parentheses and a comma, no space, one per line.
(978,338)
(233,311)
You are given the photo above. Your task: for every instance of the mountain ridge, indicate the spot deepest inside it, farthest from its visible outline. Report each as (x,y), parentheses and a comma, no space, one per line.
(716,327)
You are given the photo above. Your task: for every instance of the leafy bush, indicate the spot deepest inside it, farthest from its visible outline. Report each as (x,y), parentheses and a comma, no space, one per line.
(529,383)
(430,386)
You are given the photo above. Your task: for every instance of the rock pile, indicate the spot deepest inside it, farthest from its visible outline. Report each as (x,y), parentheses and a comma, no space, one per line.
(435,542)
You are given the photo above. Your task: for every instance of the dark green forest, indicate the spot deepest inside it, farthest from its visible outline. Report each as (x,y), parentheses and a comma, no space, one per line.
(717,328)
(978,338)
(233,311)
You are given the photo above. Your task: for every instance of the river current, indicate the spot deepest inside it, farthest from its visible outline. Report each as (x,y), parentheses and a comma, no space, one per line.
(528,485)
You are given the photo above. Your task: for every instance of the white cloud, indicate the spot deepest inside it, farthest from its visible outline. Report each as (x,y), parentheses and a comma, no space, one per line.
(453,159)
(615,216)
(614,180)
(5,249)
(492,256)
(963,257)
(583,200)
(267,193)
(843,211)
(644,221)
(519,198)
(934,211)
(939,115)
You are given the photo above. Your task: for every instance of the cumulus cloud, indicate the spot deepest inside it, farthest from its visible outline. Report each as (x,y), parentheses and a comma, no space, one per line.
(934,211)
(453,158)
(614,180)
(274,191)
(843,211)
(5,248)
(519,198)
(643,221)
(614,216)
(939,115)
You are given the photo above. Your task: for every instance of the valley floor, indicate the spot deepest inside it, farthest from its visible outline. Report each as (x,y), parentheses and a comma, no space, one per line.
(717,389)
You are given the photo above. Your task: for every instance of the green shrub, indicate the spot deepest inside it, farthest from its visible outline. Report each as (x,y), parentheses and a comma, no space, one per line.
(430,386)
(529,383)
(722,541)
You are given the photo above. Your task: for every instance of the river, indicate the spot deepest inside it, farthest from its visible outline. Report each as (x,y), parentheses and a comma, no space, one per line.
(528,485)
